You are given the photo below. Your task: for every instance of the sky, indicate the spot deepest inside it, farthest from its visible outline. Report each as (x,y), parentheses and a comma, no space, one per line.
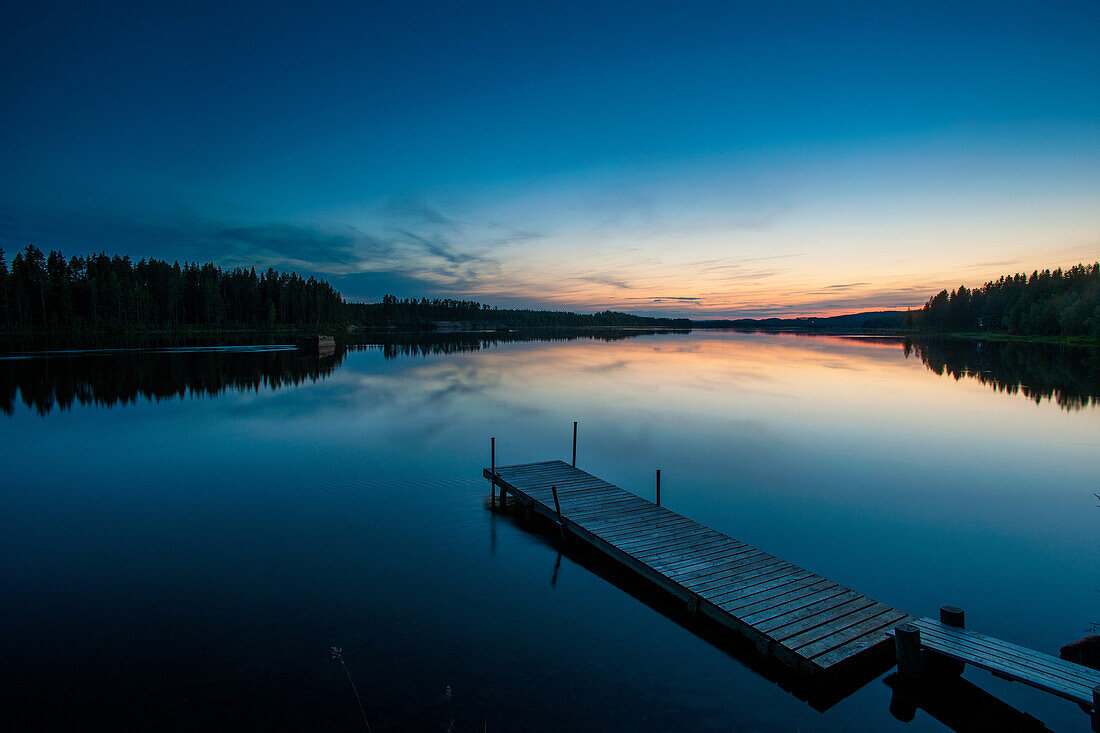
(700,159)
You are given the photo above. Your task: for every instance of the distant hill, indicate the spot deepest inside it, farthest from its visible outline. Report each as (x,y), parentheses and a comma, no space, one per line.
(851,321)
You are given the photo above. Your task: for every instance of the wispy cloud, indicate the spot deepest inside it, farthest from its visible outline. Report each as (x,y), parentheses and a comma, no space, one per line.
(605,280)
(413,209)
(283,245)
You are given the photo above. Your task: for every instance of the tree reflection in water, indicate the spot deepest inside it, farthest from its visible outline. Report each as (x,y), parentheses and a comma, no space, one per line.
(106,375)
(1067,375)
(45,380)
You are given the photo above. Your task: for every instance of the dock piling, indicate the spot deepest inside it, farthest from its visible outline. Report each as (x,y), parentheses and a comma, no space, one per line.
(493,480)
(907,646)
(574,444)
(557,508)
(1096,709)
(954,617)
(658,487)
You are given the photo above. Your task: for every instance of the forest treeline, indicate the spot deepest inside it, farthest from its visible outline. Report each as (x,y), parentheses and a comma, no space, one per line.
(424,314)
(51,292)
(40,292)
(1047,303)
(399,345)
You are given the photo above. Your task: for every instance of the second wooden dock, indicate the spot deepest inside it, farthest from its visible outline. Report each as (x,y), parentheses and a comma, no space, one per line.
(810,624)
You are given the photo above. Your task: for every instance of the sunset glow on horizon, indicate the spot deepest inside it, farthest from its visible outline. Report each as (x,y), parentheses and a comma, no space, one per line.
(711,162)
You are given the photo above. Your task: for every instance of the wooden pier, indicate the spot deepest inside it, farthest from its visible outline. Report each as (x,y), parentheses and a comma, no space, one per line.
(810,624)
(930,648)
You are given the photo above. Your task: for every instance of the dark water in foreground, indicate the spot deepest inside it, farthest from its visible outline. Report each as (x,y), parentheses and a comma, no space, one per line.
(184,533)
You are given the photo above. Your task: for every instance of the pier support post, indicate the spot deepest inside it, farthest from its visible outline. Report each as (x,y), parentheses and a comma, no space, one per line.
(493,473)
(557,508)
(954,617)
(658,487)
(574,444)
(907,646)
(1096,709)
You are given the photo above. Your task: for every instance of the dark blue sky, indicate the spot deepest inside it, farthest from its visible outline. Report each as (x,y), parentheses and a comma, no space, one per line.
(735,158)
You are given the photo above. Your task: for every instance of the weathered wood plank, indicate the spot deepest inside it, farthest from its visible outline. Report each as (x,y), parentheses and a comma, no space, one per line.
(518,467)
(588,486)
(684,566)
(647,538)
(856,647)
(754,591)
(521,468)
(577,499)
(651,506)
(774,619)
(784,599)
(712,586)
(872,623)
(652,523)
(689,570)
(673,549)
(835,625)
(708,586)
(602,503)
(690,551)
(575,495)
(612,507)
(819,624)
(537,479)
(657,557)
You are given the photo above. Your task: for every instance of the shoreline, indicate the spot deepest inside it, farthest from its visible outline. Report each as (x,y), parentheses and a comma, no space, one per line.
(351,333)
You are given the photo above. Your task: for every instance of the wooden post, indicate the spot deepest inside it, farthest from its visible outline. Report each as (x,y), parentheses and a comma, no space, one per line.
(955,618)
(493,472)
(557,508)
(952,616)
(658,487)
(574,444)
(907,646)
(1096,708)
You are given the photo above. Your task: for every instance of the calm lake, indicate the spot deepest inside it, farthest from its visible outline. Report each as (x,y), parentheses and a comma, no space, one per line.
(186,531)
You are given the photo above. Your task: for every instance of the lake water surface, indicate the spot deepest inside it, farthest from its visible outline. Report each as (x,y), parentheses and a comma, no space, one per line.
(186,532)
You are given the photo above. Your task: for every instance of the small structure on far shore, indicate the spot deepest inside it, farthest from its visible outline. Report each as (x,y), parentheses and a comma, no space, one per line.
(317,345)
